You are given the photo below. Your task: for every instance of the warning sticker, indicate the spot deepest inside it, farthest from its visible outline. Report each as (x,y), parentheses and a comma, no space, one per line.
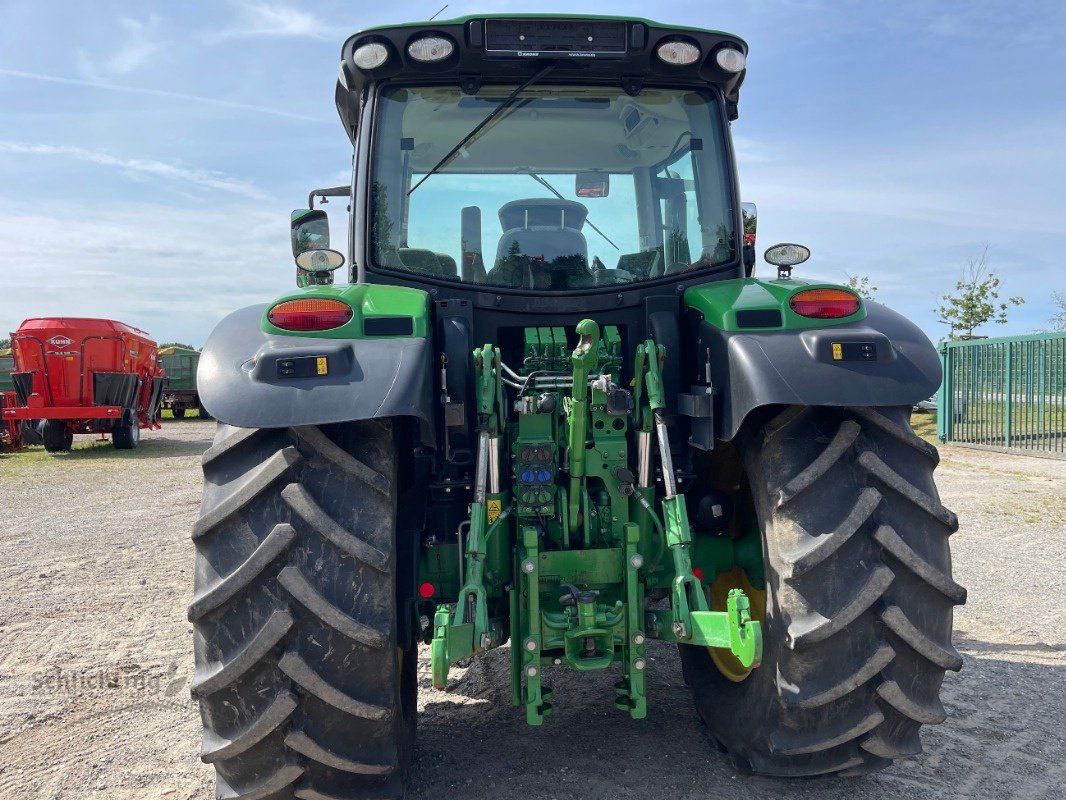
(838,351)
(494,509)
(322,365)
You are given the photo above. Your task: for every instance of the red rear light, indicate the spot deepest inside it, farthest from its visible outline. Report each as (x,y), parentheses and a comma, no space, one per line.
(426,590)
(310,315)
(698,573)
(824,303)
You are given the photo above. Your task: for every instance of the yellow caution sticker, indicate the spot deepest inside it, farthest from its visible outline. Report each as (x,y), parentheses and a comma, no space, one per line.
(494,508)
(322,365)
(838,351)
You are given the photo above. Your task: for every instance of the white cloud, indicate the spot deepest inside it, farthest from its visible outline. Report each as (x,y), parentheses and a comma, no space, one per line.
(274,21)
(173,272)
(126,57)
(201,178)
(165,93)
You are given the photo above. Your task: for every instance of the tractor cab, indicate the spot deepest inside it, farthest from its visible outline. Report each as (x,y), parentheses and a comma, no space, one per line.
(543,156)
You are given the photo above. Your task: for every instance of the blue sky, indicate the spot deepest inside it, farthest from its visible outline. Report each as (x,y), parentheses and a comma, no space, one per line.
(150,153)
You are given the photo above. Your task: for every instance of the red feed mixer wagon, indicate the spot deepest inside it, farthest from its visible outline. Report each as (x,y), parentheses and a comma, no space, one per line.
(78,375)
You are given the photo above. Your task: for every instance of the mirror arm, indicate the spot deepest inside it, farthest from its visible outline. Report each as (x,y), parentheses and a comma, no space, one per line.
(333,191)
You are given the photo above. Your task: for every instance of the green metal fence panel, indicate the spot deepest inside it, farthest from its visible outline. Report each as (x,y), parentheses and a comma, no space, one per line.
(1007,393)
(7,366)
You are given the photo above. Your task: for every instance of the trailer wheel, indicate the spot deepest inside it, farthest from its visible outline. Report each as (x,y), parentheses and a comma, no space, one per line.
(202,411)
(179,413)
(56,435)
(126,435)
(305,689)
(31,431)
(859,598)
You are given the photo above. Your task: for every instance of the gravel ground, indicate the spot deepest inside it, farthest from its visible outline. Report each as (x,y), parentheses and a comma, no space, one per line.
(95,656)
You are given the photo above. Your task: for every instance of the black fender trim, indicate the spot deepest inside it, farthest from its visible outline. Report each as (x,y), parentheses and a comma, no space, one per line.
(237,378)
(790,367)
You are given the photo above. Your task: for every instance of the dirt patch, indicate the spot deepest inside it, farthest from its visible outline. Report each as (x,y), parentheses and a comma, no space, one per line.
(96,654)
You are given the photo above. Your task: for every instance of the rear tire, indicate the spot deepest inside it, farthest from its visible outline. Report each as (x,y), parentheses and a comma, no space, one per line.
(859,598)
(56,436)
(304,688)
(202,411)
(126,435)
(179,413)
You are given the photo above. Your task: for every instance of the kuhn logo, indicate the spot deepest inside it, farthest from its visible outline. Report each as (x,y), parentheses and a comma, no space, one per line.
(60,341)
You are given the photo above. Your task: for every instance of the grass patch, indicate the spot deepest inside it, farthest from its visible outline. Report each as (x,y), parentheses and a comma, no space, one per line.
(190,413)
(925,426)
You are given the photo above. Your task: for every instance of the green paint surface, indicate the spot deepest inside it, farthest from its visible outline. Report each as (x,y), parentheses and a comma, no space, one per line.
(720,301)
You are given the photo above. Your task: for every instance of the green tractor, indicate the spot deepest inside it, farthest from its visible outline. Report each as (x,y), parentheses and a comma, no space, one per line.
(588,429)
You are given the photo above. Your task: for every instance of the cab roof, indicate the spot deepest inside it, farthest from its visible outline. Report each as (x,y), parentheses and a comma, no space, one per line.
(622,51)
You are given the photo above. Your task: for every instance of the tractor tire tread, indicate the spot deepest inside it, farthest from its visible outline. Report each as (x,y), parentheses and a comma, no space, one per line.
(269,550)
(223,673)
(299,674)
(822,547)
(304,506)
(216,748)
(891,541)
(796,744)
(810,629)
(857,634)
(302,590)
(304,675)
(306,746)
(327,449)
(943,657)
(272,784)
(273,469)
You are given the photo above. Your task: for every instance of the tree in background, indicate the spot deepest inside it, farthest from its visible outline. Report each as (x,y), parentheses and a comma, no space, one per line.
(1058,319)
(4,344)
(176,344)
(861,285)
(975,301)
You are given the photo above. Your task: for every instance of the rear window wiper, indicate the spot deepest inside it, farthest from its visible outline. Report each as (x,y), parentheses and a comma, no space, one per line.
(506,104)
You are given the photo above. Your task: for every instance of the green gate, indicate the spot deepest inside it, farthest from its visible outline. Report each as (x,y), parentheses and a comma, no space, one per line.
(1007,393)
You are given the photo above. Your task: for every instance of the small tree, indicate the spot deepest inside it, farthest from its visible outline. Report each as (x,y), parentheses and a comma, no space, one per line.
(1058,319)
(4,344)
(861,285)
(975,301)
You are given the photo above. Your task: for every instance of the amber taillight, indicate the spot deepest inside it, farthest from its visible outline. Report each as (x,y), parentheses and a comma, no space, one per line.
(310,315)
(824,303)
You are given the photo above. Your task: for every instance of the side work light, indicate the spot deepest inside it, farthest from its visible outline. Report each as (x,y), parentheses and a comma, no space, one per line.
(730,59)
(678,54)
(430,49)
(371,55)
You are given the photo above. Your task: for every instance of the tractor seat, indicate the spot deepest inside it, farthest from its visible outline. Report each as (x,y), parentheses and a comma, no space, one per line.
(542,246)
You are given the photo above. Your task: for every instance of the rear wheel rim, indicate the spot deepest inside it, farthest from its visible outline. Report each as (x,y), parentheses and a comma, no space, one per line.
(727,663)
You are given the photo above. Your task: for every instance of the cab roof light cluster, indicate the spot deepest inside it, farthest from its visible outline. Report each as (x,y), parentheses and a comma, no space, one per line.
(824,303)
(310,315)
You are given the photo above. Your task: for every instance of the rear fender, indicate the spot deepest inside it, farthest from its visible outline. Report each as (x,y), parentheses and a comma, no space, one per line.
(241,382)
(797,365)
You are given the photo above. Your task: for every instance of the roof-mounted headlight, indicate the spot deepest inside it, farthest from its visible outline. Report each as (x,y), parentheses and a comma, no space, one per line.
(430,49)
(370,56)
(678,53)
(729,59)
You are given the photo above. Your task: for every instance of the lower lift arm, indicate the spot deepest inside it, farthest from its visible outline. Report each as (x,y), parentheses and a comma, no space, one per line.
(692,622)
